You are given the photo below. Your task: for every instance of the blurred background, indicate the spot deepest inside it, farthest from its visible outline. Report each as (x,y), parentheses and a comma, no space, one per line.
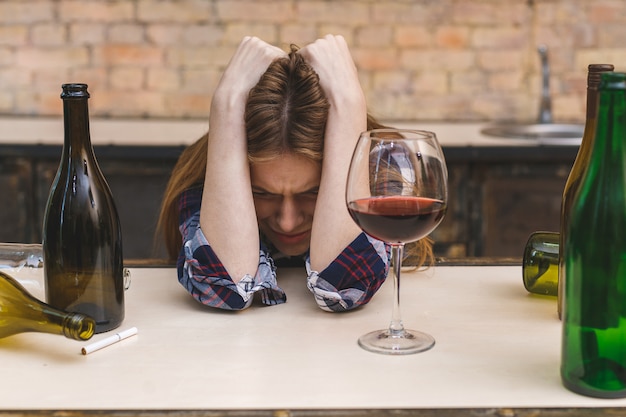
(453,60)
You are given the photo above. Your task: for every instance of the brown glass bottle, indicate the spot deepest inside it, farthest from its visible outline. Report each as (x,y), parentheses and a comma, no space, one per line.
(82,239)
(20,312)
(580,163)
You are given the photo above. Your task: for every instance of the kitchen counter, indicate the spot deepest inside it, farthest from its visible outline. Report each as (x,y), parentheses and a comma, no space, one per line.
(497,353)
(135,132)
(19,135)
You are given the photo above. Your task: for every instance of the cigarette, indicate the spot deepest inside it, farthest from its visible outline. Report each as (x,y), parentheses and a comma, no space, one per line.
(109,340)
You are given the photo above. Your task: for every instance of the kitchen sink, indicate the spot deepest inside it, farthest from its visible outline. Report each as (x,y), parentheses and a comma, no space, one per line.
(543,133)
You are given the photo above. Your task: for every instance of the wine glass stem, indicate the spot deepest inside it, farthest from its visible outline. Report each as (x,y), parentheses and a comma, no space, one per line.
(397,251)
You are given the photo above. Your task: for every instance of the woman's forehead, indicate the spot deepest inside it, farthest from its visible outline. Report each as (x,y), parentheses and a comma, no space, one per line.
(287,173)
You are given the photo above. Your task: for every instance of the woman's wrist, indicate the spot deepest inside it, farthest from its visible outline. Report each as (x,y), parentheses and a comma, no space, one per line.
(227,101)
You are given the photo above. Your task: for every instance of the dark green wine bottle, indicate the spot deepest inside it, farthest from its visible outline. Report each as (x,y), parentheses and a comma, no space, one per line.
(593,358)
(20,312)
(82,238)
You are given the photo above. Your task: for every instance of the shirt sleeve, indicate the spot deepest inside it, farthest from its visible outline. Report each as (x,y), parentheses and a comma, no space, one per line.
(204,276)
(352,278)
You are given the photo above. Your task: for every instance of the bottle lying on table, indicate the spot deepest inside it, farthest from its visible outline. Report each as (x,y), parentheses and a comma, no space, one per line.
(20,312)
(540,265)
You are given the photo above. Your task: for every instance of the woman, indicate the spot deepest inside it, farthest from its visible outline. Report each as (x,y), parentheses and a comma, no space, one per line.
(268,180)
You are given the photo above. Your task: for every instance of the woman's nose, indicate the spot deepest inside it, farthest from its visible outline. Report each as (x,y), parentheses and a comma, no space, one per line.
(288,215)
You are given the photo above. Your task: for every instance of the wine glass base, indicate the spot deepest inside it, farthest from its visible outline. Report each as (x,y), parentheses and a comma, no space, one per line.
(404,342)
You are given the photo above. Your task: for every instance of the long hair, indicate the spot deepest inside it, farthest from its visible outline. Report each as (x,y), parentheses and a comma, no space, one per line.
(286,112)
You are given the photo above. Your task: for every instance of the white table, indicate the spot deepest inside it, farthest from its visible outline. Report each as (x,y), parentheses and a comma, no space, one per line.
(498,347)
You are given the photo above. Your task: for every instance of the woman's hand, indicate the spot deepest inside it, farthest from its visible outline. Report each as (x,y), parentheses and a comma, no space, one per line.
(247,65)
(332,61)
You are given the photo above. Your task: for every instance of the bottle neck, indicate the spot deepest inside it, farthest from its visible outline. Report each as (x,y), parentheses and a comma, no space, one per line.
(594,77)
(592,102)
(611,126)
(76,124)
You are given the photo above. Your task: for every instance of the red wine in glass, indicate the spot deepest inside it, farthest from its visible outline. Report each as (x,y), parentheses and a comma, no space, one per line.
(397,218)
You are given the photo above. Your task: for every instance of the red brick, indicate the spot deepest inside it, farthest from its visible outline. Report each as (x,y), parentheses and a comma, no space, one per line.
(408,36)
(437,59)
(452,37)
(66,57)
(392,81)
(127,78)
(499,37)
(375,58)
(26,12)
(48,34)
(7,57)
(95,11)
(237,31)
(111,102)
(180,11)
(122,54)
(252,11)
(15,35)
(399,13)
(300,34)
(187,105)
(375,36)
(87,33)
(345,12)
(162,79)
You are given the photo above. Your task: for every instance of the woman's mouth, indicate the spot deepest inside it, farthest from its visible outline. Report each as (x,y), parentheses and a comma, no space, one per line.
(291,239)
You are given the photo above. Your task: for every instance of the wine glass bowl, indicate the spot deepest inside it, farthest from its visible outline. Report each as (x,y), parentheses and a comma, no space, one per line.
(397,192)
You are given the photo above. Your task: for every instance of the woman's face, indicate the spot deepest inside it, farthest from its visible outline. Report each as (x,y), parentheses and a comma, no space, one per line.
(285,192)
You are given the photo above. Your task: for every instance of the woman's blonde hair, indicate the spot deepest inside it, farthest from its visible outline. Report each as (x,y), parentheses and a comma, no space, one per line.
(286,112)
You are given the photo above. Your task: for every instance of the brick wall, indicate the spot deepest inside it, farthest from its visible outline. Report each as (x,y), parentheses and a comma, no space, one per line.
(418,59)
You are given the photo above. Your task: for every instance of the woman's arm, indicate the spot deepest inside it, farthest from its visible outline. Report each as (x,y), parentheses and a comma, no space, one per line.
(333,228)
(202,273)
(227,215)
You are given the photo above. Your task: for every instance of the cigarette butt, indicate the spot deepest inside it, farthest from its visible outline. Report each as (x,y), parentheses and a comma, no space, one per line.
(109,340)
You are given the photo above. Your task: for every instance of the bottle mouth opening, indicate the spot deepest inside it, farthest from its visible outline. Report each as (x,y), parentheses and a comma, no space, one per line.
(79,326)
(74,90)
(595,74)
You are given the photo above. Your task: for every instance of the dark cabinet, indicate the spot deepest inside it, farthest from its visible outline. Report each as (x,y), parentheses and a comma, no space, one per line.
(518,200)
(497,196)
(453,237)
(137,178)
(17,220)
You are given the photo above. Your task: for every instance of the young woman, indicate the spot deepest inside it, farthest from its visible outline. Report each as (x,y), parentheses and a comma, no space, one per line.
(268,181)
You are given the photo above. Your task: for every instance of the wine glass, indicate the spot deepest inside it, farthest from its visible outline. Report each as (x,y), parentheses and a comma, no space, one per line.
(397,192)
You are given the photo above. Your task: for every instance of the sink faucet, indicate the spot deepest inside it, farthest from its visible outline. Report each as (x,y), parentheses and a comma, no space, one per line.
(545,107)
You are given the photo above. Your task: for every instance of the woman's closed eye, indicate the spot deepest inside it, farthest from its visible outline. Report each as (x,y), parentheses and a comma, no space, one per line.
(309,195)
(265,195)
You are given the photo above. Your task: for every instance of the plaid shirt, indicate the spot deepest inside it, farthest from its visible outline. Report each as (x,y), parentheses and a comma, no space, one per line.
(348,282)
